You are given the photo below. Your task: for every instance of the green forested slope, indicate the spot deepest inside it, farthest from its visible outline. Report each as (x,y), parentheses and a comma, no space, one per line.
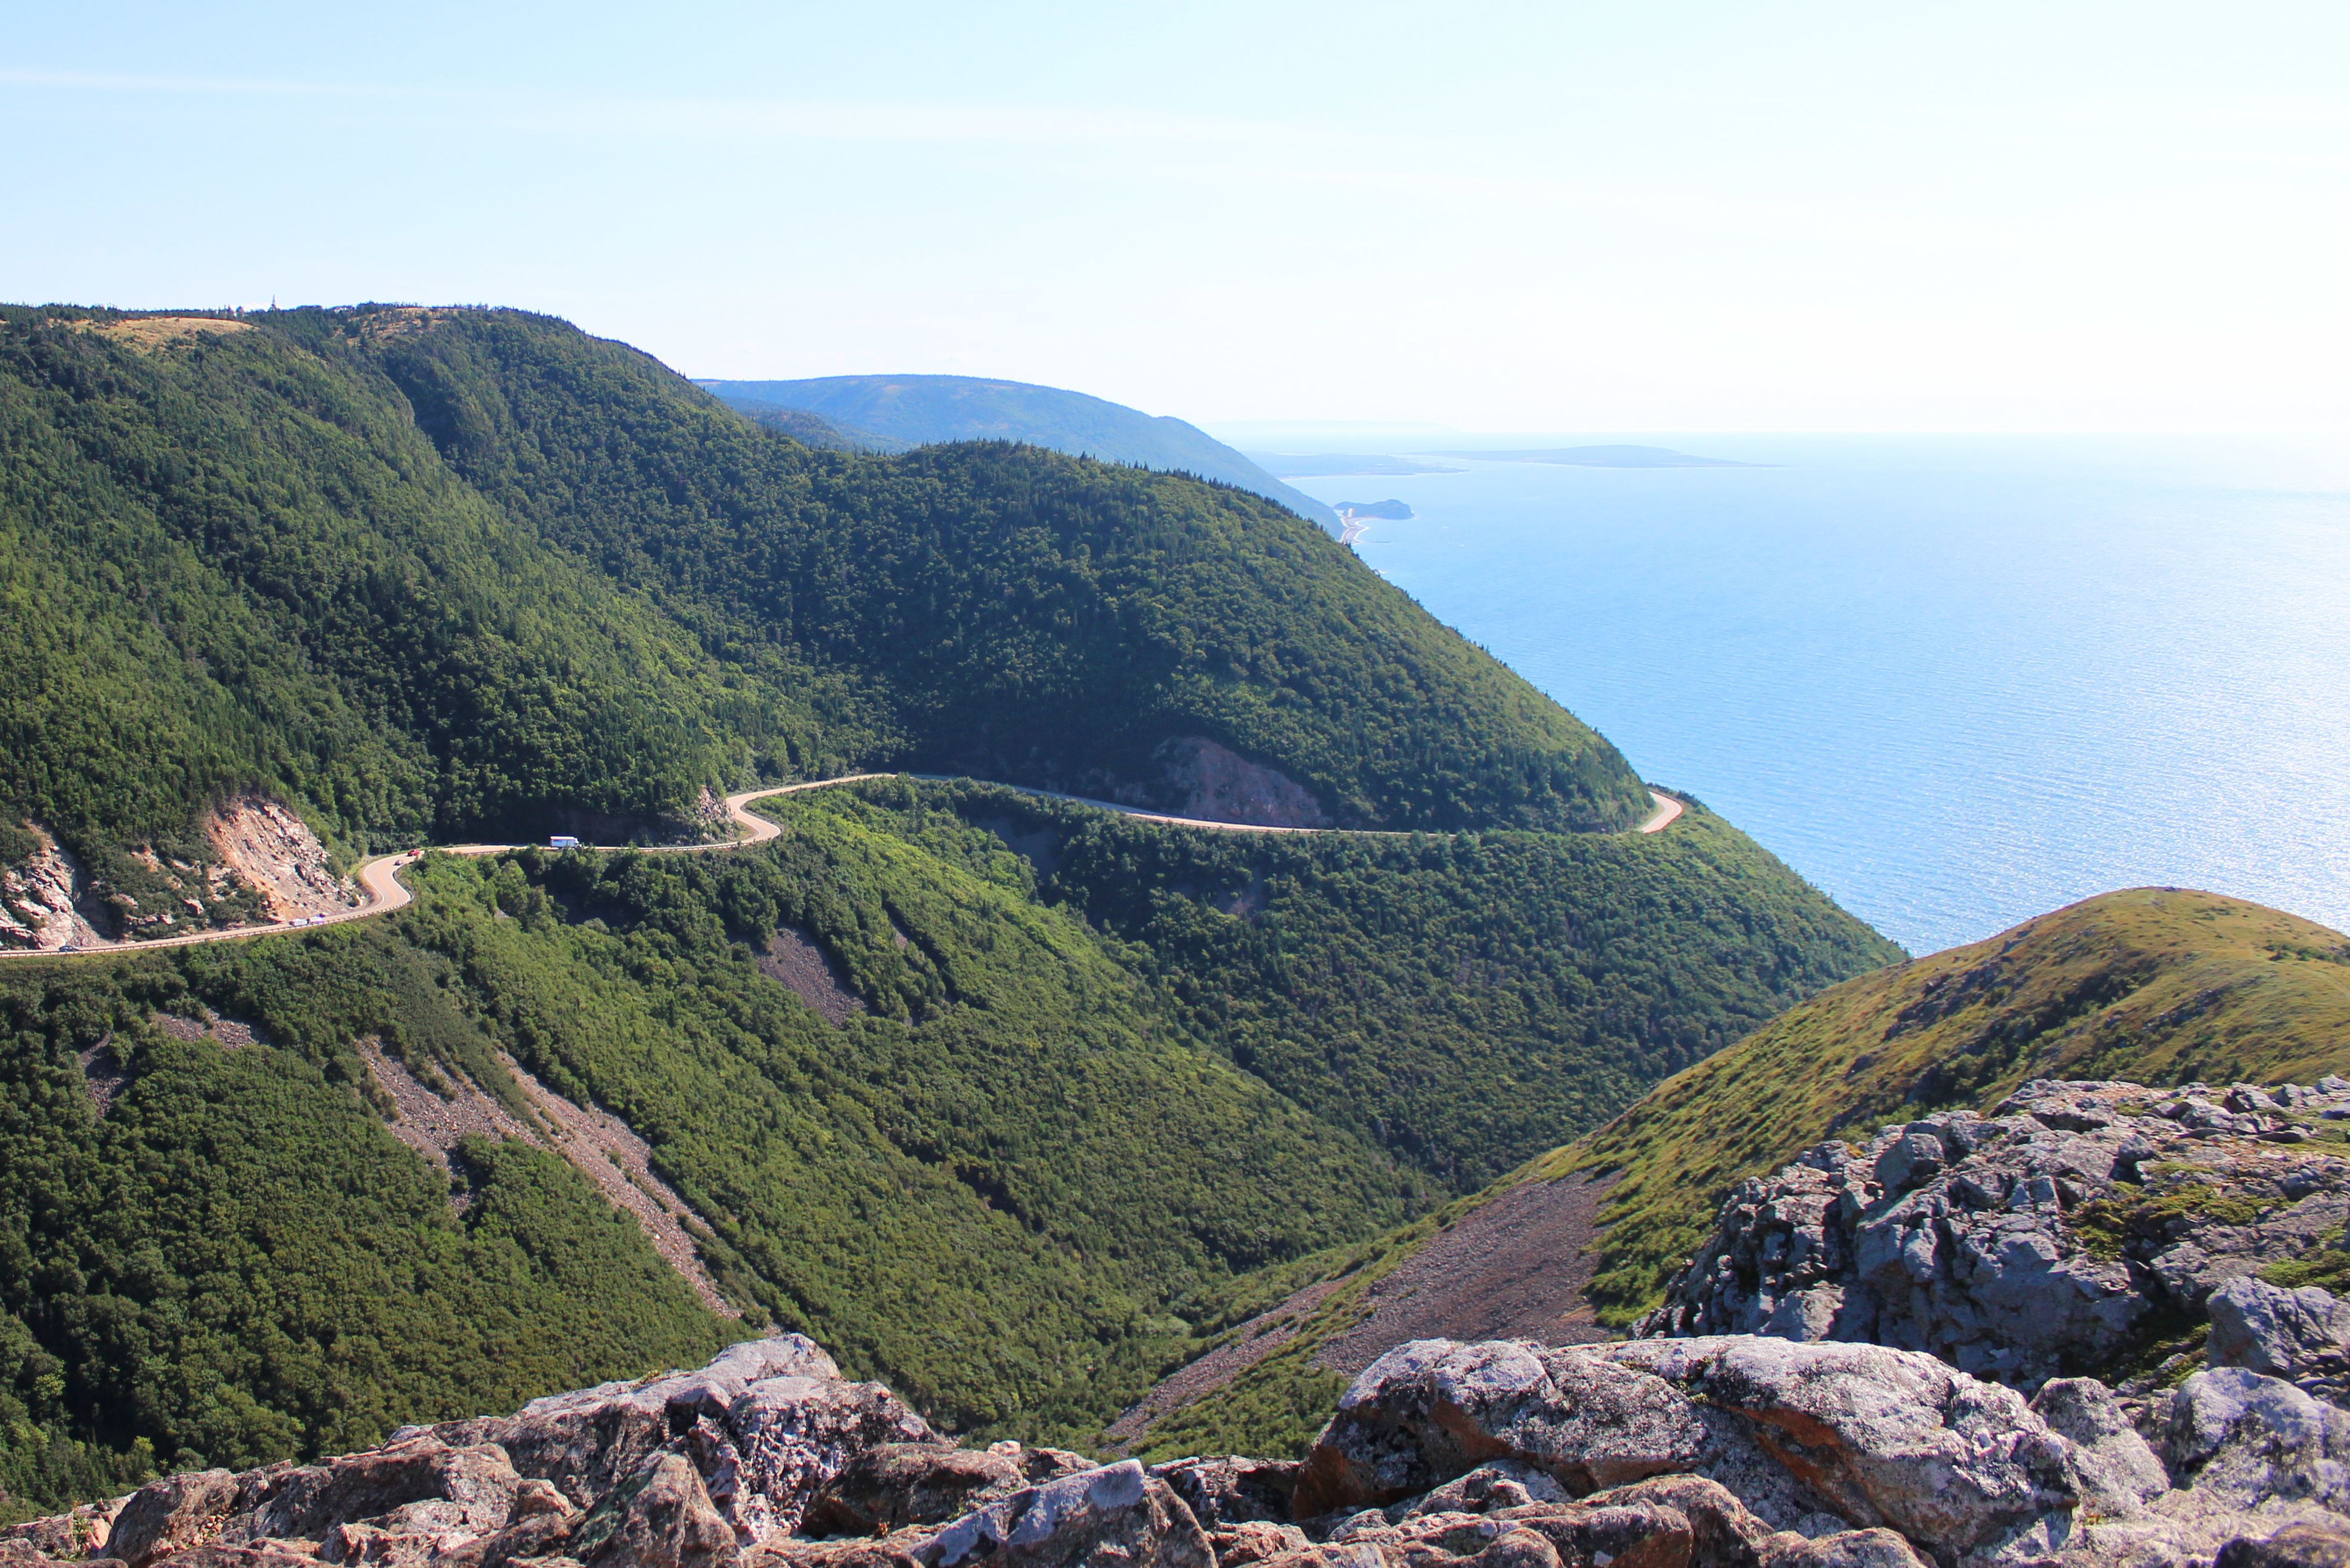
(473,571)
(1018,614)
(238,1264)
(460,573)
(1460,999)
(996,1188)
(979,1187)
(1021,1183)
(232,563)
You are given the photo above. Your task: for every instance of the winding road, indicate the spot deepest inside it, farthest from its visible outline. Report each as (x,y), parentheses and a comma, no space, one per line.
(380,878)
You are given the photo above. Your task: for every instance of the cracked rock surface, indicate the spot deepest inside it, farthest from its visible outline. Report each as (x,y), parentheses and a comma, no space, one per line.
(2059,1235)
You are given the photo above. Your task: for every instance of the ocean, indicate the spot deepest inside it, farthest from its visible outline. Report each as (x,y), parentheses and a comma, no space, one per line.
(1954,682)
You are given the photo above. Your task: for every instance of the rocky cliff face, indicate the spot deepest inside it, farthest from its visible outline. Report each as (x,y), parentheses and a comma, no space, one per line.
(252,859)
(275,853)
(45,900)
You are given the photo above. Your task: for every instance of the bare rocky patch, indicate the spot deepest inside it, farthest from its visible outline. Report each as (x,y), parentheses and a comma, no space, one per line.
(232,1032)
(604,1150)
(432,1124)
(1513,1268)
(793,957)
(45,899)
(1216,783)
(274,852)
(105,1076)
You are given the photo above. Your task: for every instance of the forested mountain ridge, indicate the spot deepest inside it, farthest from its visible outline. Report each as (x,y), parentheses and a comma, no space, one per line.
(456,572)
(921,410)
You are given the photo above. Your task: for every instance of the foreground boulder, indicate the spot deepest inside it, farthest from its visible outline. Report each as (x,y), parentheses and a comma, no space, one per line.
(2299,1335)
(1865,1436)
(1115,1514)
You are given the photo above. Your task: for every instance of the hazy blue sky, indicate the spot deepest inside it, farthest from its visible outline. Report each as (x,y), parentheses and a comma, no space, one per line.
(1847,216)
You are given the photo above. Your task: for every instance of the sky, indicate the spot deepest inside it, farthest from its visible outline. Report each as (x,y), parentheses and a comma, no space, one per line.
(2038,217)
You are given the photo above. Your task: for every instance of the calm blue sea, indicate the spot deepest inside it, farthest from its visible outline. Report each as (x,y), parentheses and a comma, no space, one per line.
(1955,681)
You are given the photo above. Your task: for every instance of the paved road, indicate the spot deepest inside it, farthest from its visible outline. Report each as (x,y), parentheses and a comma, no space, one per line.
(1667,809)
(380,878)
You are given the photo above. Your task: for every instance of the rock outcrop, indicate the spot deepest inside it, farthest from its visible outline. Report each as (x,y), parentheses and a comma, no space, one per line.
(1715,1451)
(274,850)
(1867,1435)
(2299,1335)
(2041,1241)
(765,1456)
(46,902)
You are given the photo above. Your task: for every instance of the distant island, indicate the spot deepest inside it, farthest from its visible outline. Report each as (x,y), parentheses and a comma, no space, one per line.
(1339,464)
(1392,511)
(1607,457)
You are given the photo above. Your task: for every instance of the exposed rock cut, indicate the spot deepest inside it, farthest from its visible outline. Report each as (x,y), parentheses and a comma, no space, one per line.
(274,851)
(1216,783)
(46,902)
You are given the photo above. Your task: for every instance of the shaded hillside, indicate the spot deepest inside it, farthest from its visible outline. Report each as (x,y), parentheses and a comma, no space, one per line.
(2155,985)
(920,410)
(467,572)
(1464,1001)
